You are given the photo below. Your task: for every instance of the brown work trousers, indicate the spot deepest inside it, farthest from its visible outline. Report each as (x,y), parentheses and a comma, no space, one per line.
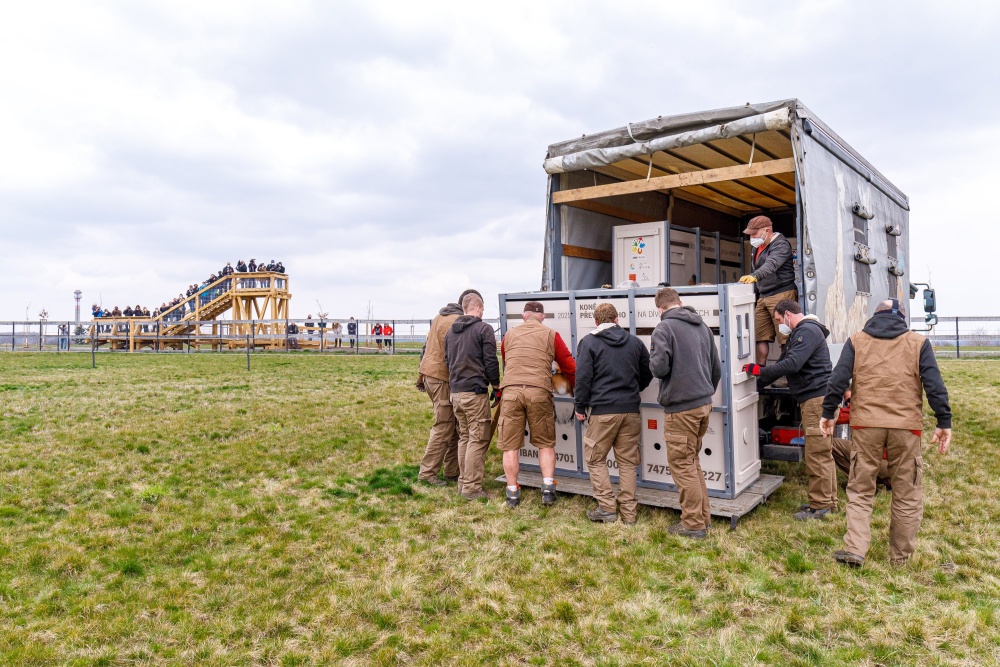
(442,445)
(473,413)
(683,432)
(820,467)
(842,449)
(621,433)
(906,475)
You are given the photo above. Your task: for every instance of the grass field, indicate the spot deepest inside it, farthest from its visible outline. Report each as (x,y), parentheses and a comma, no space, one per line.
(178,510)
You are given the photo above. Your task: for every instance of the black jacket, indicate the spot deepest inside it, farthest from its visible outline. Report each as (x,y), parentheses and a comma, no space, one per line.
(352,328)
(612,367)
(806,361)
(775,268)
(887,325)
(470,349)
(683,355)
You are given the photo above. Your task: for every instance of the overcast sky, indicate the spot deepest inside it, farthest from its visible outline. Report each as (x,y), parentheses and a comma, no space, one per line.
(391,152)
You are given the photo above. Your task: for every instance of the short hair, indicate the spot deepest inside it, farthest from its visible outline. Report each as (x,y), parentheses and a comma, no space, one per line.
(461,297)
(885,306)
(470,301)
(788,306)
(605,313)
(667,297)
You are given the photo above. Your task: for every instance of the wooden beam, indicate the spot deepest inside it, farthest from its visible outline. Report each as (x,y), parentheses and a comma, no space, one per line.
(685,179)
(586,253)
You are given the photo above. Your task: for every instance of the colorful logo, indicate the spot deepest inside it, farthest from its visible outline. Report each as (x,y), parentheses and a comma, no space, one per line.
(637,245)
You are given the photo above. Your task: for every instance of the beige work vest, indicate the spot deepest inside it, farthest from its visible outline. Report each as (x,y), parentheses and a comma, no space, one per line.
(528,354)
(887,391)
(433,364)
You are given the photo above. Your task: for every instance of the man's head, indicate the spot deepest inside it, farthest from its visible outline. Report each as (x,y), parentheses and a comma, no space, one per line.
(534,310)
(605,313)
(788,312)
(666,299)
(461,297)
(891,306)
(759,228)
(472,304)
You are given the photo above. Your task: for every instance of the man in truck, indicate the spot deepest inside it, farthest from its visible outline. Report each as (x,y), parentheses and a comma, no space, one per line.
(890,368)
(773,277)
(526,398)
(805,361)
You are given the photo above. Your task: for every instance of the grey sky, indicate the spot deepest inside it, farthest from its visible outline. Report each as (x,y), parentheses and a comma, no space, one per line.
(391,152)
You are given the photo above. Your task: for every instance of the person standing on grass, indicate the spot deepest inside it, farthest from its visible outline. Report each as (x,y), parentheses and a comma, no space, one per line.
(683,355)
(441,453)
(805,361)
(352,331)
(612,367)
(335,331)
(528,352)
(889,369)
(470,349)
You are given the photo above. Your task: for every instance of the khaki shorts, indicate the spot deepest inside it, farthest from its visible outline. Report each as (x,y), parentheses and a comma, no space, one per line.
(526,406)
(764,316)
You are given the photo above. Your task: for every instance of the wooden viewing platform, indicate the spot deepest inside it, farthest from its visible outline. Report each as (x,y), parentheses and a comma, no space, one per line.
(257,303)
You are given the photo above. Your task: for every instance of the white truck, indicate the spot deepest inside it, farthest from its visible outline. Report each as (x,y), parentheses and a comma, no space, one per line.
(664,202)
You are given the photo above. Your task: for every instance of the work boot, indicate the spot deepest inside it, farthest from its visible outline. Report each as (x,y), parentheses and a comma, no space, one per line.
(848,559)
(449,478)
(476,495)
(434,481)
(513,497)
(679,530)
(549,494)
(597,514)
(810,513)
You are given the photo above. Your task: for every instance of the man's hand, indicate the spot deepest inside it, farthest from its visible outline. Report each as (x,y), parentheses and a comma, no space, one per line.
(495,397)
(581,417)
(942,436)
(746,280)
(752,369)
(420,383)
(826,426)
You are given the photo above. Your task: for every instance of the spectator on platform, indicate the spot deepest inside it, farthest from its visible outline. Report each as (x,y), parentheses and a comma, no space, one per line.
(241,266)
(253,265)
(279,268)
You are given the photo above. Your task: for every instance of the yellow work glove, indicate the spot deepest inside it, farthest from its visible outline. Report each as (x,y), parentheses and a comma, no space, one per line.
(747,280)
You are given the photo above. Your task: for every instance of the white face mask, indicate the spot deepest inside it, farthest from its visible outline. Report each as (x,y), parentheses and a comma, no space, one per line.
(757,241)
(784,329)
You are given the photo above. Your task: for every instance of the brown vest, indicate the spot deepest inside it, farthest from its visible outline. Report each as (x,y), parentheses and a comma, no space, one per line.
(529,351)
(887,391)
(433,364)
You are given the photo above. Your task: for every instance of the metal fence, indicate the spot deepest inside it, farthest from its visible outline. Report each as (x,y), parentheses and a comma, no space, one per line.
(188,336)
(966,337)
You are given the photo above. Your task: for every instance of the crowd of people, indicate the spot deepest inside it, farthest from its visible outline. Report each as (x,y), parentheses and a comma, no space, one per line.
(204,289)
(461,376)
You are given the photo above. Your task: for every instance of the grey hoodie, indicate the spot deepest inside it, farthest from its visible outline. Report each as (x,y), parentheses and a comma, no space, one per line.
(683,355)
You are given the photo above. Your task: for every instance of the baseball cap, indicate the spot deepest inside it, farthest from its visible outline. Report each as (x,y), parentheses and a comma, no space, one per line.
(534,307)
(760,222)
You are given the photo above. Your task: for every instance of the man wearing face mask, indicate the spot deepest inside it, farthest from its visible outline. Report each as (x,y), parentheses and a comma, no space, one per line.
(773,277)
(889,369)
(805,361)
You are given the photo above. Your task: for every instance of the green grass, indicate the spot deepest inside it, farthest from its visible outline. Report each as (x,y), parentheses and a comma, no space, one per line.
(178,510)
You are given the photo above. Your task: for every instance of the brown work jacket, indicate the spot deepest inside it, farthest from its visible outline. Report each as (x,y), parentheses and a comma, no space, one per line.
(433,363)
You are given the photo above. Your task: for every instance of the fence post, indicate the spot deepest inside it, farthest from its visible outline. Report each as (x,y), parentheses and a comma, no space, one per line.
(93,349)
(39,336)
(393,337)
(958,353)
(248,352)
(13,335)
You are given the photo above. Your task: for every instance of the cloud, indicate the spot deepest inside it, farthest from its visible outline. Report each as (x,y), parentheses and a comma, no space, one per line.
(390,152)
